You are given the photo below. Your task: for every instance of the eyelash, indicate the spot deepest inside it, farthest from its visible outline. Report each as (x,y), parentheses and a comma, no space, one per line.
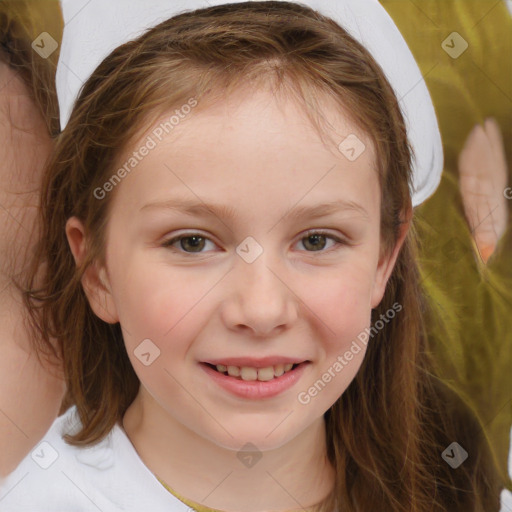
(338,242)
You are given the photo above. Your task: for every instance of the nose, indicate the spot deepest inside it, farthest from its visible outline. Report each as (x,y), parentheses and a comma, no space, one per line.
(261,299)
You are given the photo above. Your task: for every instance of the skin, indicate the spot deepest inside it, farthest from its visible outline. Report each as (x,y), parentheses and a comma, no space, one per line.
(483,177)
(23,379)
(292,300)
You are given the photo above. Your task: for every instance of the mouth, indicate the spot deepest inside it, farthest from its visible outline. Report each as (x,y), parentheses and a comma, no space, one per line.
(249,373)
(256,382)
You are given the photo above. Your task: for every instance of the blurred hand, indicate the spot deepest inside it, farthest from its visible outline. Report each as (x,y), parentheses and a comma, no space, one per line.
(483,176)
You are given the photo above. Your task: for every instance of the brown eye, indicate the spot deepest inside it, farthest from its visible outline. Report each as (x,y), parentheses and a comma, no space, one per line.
(317,242)
(187,244)
(196,243)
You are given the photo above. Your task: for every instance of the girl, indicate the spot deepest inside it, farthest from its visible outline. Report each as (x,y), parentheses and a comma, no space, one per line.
(230,271)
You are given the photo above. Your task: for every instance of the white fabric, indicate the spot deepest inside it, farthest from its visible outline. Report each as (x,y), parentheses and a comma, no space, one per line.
(106,477)
(109,477)
(93,28)
(506,495)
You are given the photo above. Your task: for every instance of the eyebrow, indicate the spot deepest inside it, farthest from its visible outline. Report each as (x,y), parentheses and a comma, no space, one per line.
(193,208)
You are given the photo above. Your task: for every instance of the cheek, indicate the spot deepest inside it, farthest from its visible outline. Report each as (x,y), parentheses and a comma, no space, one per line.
(342,304)
(157,301)
(164,307)
(341,299)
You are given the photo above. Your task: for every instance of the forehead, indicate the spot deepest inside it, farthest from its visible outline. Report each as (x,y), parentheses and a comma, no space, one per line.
(255,146)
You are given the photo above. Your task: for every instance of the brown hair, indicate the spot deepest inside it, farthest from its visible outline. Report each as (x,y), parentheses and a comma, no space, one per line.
(386,433)
(21,21)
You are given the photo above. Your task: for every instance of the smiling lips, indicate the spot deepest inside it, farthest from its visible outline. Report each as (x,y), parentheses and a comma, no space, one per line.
(249,369)
(248,373)
(256,383)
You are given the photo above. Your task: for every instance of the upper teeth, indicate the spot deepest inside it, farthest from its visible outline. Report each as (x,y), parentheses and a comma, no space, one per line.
(248,373)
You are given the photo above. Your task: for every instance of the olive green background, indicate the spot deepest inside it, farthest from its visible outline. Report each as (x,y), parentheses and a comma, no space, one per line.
(471,328)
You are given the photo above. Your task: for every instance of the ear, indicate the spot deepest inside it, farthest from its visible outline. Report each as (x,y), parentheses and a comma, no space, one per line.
(387,262)
(95,279)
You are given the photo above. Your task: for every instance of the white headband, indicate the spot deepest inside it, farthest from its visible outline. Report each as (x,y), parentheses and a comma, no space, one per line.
(94,28)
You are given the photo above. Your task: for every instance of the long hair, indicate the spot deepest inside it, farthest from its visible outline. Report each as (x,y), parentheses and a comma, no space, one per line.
(386,432)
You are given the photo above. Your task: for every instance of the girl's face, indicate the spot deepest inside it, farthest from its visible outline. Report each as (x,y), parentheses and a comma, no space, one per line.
(242,184)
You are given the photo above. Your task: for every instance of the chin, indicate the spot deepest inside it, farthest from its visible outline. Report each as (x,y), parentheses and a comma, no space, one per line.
(263,435)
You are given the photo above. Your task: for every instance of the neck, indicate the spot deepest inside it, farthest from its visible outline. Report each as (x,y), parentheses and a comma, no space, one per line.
(295,476)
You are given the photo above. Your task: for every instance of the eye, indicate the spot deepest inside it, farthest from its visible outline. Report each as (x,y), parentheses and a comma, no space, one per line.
(189,243)
(317,241)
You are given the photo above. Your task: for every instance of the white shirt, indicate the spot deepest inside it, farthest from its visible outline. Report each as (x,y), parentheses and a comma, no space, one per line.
(109,476)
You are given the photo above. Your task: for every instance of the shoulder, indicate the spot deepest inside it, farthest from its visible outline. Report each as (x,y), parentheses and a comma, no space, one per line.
(107,476)
(46,466)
